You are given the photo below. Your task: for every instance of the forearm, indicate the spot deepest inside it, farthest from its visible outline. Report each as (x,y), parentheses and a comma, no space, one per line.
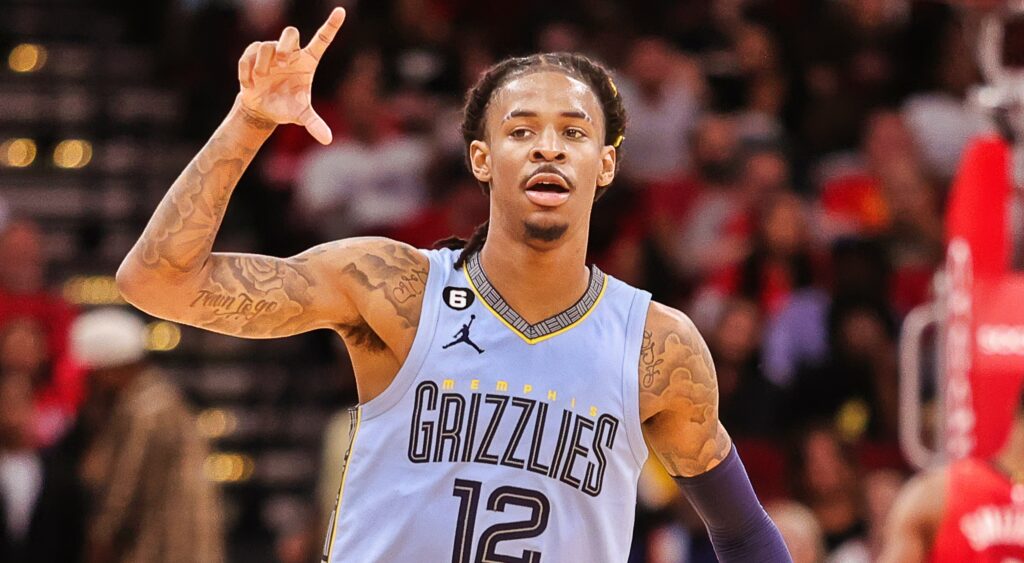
(739,528)
(179,237)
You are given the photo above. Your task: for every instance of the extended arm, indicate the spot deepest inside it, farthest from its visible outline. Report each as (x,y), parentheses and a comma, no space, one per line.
(679,409)
(914,519)
(171,271)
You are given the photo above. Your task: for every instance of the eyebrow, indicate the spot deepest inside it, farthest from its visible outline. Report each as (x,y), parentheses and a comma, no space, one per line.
(526,113)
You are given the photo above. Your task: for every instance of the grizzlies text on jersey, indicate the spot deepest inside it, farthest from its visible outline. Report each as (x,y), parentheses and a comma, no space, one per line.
(499,440)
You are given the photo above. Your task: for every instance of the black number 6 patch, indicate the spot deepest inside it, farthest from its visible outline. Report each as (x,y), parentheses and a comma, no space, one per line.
(458,298)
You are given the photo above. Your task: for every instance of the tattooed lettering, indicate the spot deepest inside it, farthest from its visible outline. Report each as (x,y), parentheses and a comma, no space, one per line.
(397,274)
(242,305)
(410,286)
(649,362)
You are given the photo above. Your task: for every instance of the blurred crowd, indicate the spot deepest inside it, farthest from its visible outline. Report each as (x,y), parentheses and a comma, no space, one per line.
(783,181)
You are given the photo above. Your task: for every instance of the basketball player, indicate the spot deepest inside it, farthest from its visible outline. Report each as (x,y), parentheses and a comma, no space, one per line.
(971,510)
(521,438)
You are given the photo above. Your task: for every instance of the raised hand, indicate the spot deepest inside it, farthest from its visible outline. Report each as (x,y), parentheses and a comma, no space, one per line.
(276,77)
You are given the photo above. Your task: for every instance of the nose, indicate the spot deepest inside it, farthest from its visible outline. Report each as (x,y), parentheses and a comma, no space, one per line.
(549,147)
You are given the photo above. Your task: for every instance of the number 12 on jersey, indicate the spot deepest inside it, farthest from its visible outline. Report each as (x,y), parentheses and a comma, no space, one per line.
(468,493)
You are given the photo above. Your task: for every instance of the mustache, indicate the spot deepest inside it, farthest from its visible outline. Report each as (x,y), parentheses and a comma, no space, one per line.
(548,169)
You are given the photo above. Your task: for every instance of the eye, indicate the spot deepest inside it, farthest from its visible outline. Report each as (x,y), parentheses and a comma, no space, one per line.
(575,133)
(519,133)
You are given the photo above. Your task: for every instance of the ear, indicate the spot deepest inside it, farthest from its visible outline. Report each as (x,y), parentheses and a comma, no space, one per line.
(480,160)
(607,174)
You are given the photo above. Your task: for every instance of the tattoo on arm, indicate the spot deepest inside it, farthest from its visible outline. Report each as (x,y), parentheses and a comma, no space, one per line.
(649,361)
(395,276)
(254,296)
(179,237)
(679,391)
(394,279)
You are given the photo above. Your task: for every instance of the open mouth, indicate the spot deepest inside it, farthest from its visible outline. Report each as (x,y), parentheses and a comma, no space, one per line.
(547,189)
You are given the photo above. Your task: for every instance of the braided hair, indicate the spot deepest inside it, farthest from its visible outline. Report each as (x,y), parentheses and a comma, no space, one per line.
(479,97)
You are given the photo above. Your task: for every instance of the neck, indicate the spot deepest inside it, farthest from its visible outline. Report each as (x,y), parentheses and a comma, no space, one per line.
(1011,457)
(536,283)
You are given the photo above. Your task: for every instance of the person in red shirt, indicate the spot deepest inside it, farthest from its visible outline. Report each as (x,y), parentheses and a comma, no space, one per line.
(24,298)
(970,511)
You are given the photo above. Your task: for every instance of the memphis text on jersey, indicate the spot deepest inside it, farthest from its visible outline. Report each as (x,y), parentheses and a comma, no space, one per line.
(452,427)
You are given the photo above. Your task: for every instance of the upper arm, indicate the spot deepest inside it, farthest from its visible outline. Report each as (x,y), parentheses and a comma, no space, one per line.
(341,283)
(679,395)
(914,519)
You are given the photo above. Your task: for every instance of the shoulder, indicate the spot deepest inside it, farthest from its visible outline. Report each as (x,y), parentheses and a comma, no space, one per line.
(384,281)
(679,395)
(366,261)
(371,249)
(674,362)
(915,517)
(662,318)
(922,501)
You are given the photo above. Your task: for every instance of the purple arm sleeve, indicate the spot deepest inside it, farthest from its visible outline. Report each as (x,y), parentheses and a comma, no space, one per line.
(740,529)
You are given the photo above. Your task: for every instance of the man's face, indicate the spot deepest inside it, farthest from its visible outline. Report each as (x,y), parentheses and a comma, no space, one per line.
(544,156)
(15,411)
(21,259)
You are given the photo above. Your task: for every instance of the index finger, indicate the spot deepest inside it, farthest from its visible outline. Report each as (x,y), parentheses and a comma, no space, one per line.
(326,33)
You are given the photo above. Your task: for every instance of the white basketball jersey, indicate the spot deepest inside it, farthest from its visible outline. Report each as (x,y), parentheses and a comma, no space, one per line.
(498,440)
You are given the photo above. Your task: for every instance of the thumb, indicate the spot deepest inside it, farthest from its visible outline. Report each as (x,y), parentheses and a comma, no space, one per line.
(316,126)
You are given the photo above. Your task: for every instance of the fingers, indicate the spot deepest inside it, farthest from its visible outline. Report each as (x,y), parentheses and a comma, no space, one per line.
(245,65)
(264,57)
(288,43)
(316,126)
(326,33)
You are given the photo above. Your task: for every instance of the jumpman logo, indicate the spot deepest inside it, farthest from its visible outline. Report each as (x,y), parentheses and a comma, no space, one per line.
(463,336)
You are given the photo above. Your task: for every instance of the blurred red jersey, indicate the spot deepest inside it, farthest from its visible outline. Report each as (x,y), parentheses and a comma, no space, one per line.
(984,518)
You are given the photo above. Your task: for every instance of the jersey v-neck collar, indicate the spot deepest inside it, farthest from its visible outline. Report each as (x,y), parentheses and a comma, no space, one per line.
(549,327)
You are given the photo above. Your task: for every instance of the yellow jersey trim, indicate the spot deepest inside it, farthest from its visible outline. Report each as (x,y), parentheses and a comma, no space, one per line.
(344,474)
(527,339)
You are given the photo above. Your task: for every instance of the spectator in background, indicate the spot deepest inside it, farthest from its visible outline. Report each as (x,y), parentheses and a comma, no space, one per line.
(21,468)
(800,530)
(880,489)
(24,295)
(747,402)
(857,387)
(661,90)
(915,238)
(760,75)
(826,481)
(373,178)
(938,117)
(853,198)
(283,166)
(797,339)
(151,500)
(782,259)
(24,351)
(697,219)
(764,176)
(41,505)
(779,262)
(851,65)
(457,206)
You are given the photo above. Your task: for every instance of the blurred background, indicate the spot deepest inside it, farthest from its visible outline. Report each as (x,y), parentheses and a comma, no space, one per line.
(786,170)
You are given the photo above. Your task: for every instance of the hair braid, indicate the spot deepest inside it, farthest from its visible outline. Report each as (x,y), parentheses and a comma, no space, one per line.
(475,243)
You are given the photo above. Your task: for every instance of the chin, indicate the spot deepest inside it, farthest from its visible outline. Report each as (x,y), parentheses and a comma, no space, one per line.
(544,231)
